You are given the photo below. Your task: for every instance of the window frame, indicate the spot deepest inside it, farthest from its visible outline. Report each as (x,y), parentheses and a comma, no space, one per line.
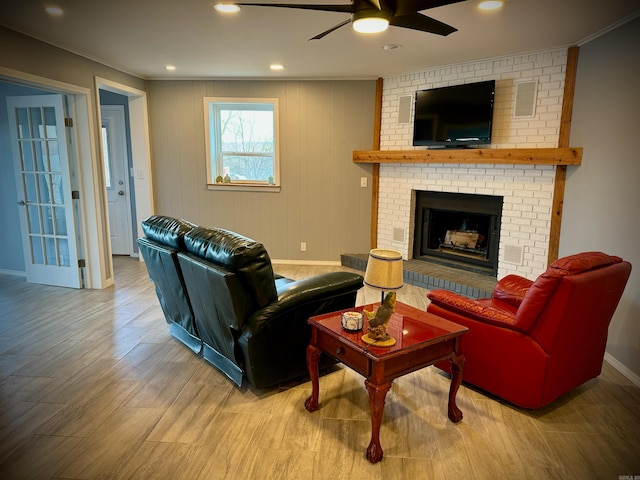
(212,133)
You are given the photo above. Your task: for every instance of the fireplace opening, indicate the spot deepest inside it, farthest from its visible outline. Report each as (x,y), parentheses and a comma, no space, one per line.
(458,230)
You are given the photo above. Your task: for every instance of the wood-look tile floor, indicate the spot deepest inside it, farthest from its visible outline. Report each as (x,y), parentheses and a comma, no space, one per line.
(92,386)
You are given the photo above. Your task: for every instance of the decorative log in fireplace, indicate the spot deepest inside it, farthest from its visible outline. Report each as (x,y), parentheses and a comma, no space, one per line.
(458,230)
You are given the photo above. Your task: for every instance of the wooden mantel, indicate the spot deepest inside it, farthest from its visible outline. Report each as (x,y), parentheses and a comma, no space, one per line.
(561,157)
(513,156)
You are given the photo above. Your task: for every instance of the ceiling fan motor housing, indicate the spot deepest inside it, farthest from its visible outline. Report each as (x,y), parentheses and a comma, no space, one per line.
(367,10)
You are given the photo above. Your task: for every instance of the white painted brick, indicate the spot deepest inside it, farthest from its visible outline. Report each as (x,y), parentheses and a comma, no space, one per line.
(527,190)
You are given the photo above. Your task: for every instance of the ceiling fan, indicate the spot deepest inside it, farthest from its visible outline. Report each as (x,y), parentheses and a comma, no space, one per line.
(371,16)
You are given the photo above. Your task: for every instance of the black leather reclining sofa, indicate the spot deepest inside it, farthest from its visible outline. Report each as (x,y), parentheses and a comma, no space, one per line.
(221,298)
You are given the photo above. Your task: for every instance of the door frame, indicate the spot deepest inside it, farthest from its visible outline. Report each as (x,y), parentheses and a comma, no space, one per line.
(93,228)
(142,194)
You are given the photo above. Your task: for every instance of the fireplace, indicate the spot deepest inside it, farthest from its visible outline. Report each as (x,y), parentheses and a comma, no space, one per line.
(458,230)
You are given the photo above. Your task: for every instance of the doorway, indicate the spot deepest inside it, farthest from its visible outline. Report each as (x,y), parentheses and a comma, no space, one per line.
(91,210)
(115,159)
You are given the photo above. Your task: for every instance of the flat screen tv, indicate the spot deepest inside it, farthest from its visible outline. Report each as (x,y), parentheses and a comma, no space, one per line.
(457,116)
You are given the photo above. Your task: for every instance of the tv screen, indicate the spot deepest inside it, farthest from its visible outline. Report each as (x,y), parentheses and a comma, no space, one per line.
(455,116)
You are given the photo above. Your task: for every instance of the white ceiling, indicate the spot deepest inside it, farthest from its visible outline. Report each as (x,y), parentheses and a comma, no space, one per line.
(142,36)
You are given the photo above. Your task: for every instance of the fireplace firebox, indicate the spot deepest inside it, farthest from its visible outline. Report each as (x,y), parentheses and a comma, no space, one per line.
(459,230)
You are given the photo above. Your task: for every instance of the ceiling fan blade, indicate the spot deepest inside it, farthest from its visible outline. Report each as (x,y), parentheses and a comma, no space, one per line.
(405,7)
(327,32)
(325,8)
(417,21)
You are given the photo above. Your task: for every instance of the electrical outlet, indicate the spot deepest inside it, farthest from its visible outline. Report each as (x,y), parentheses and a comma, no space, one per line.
(303,246)
(363,182)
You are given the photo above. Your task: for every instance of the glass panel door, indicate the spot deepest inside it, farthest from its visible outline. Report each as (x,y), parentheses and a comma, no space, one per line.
(44,189)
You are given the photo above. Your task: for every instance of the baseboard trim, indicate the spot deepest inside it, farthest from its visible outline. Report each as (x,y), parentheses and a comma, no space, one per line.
(635,379)
(325,263)
(15,273)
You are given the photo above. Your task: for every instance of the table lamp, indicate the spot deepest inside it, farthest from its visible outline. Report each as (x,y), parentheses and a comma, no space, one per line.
(384,270)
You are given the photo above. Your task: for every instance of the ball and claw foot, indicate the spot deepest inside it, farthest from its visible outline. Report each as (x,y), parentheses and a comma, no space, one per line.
(374,453)
(311,404)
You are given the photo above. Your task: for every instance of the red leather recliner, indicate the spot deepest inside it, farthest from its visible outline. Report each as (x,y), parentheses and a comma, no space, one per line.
(532,342)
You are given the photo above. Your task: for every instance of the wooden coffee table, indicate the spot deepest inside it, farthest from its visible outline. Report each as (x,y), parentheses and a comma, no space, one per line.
(422,339)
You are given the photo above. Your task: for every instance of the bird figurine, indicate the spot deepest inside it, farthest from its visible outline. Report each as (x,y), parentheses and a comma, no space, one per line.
(378,321)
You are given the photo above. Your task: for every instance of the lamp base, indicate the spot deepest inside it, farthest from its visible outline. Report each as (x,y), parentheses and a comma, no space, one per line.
(389,342)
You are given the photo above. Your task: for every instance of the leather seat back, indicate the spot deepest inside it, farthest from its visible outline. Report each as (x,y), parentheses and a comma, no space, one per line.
(164,237)
(582,305)
(228,277)
(246,258)
(543,290)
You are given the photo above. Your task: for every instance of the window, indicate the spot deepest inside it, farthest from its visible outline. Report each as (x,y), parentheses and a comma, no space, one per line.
(242,142)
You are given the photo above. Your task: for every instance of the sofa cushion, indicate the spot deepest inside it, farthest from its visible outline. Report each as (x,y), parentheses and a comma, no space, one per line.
(243,256)
(166,230)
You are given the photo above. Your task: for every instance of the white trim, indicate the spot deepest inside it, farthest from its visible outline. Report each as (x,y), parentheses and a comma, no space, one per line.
(92,236)
(635,379)
(30,80)
(140,146)
(325,263)
(608,29)
(15,273)
(247,187)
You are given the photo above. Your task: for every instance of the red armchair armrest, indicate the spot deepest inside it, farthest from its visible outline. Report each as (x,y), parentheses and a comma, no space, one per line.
(512,289)
(491,311)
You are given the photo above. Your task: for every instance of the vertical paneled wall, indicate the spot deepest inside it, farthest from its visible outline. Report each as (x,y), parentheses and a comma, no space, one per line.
(320,202)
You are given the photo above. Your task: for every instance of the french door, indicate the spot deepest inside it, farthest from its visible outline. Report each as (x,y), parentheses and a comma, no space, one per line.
(44,189)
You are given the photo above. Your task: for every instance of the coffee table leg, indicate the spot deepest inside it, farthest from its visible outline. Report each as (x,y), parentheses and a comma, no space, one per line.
(313,357)
(457,368)
(377,394)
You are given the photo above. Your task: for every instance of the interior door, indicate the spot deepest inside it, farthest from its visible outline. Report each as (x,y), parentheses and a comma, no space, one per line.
(114,154)
(43,179)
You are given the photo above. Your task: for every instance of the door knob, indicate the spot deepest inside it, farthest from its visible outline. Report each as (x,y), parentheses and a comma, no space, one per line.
(21,203)
(120,192)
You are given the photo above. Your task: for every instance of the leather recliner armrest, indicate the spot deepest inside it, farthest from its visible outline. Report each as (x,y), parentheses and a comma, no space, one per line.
(496,312)
(295,294)
(512,289)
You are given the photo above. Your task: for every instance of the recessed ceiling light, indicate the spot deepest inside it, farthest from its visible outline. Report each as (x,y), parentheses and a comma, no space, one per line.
(170,68)
(226,7)
(490,4)
(276,66)
(54,11)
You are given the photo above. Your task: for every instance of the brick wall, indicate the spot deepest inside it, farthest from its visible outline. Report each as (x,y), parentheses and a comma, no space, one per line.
(527,190)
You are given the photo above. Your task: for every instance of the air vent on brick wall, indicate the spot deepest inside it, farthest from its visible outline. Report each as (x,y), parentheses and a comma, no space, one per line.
(525,104)
(513,254)
(404,109)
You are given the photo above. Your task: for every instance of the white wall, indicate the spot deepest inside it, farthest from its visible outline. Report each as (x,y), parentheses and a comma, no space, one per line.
(541,130)
(602,196)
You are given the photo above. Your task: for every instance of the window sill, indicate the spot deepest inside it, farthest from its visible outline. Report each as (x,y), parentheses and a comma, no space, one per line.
(231,187)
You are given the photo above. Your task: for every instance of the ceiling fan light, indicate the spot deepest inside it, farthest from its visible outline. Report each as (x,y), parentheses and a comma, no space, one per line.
(226,7)
(370,25)
(371,20)
(490,4)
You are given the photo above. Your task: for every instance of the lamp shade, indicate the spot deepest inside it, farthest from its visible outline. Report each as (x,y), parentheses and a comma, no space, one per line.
(384,269)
